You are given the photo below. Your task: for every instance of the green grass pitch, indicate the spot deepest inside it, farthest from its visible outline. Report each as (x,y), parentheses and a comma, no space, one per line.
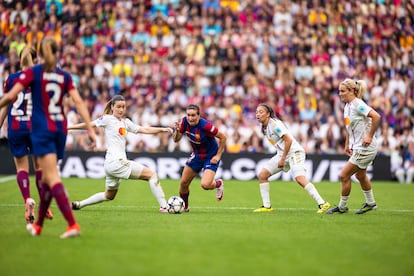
(128,236)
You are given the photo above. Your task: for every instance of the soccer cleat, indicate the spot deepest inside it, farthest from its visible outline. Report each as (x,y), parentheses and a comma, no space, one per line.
(30,210)
(33,229)
(365,208)
(337,210)
(186,210)
(49,214)
(163,210)
(75,205)
(323,207)
(71,232)
(219,189)
(263,209)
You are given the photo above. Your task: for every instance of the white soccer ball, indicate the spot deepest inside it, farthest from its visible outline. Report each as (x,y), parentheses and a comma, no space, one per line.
(176,205)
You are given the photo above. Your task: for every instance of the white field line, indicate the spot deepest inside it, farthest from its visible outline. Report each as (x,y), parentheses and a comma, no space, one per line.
(208,208)
(7,178)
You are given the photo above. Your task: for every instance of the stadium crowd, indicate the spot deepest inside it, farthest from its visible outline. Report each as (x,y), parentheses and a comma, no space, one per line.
(228,56)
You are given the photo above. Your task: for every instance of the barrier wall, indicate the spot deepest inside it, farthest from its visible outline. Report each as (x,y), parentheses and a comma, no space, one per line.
(233,166)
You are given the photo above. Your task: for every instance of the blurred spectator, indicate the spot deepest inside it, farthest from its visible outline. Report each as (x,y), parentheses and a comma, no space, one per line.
(228,56)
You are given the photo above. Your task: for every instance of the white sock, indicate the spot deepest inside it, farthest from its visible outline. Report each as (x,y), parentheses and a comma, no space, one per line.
(343,202)
(310,188)
(157,191)
(96,198)
(265,193)
(369,197)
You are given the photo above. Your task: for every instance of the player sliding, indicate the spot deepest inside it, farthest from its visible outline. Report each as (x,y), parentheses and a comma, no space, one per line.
(116,165)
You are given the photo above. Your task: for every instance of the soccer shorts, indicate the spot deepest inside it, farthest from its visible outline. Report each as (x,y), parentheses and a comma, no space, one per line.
(118,169)
(295,163)
(363,157)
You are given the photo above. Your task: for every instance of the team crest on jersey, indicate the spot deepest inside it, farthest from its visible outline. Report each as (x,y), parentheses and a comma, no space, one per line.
(347,121)
(122,131)
(271,141)
(197,136)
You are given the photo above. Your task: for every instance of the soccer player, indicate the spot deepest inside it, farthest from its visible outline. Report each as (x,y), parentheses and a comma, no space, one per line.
(18,116)
(361,122)
(117,166)
(290,156)
(49,84)
(206,152)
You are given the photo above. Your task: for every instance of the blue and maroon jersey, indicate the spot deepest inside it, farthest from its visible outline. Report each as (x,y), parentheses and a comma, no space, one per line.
(201,137)
(19,111)
(48,91)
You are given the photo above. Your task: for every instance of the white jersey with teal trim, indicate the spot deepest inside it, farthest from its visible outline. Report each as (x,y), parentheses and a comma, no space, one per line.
(358,123)
(115,135)
(275,130)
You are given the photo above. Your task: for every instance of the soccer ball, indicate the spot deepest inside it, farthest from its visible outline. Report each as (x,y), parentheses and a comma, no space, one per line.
(176,205)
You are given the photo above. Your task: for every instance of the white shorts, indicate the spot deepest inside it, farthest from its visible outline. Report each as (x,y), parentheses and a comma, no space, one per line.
(295,162)
(118,169)
(363,158)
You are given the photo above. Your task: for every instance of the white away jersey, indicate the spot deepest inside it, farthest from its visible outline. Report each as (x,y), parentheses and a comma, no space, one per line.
(115,135)
(358,123)
(275,130)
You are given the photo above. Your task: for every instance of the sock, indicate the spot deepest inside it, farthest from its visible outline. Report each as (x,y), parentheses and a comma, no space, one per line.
(265,193)
(343,201)
(185,198)
(94,199)
(24,184)
(45,200)
(157,191)
(369,197)
(39,181)
(62,201)
(218,183)
(310,188)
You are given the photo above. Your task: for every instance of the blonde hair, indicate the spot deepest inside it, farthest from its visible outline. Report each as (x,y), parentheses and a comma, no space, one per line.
(112,102)
(48,50)
(358,86)
(27,57)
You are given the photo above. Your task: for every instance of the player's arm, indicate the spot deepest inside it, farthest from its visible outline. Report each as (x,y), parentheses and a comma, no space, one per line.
(83,112)
(177,135)
(375,120)
(81,126)
(222,140)
(288,143)
(154,130)
(11,95)
(3,115)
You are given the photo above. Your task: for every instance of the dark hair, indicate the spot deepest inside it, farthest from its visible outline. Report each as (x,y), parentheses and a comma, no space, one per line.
(270,111)
(112,102)
(194,107)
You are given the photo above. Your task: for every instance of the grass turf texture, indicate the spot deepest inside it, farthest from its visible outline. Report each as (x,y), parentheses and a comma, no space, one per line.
(128,236)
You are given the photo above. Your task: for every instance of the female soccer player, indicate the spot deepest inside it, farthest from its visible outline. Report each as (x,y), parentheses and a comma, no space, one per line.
(117,166)
(49,84)
(290,156)
(206,153)
(19,114)
(361,122)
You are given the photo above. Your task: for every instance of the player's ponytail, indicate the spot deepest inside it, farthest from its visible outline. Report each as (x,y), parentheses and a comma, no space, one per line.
(48,50)
(27,57)
(270,111)
(361,88)
(111,103)
(358,86)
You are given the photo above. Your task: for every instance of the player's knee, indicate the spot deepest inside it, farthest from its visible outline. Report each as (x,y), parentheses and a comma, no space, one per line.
(263,176)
